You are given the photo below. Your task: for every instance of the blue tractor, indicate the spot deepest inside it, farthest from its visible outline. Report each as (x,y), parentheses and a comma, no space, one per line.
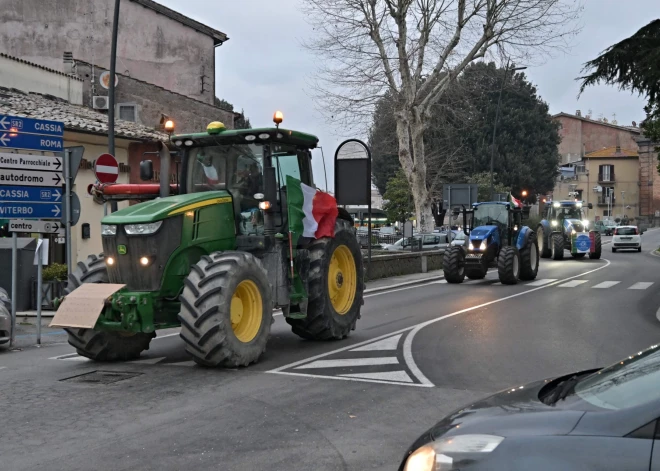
(565,227)
(496,239)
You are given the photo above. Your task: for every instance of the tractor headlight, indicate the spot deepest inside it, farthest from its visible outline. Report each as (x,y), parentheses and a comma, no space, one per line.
(553,223)
(556,205)
(484,244)
(141,229)
(437,455)
(108,230)
(585,223)
(470,246)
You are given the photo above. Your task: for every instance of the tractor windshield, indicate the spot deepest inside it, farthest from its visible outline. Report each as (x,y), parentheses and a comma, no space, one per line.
(491,215)
(568,212)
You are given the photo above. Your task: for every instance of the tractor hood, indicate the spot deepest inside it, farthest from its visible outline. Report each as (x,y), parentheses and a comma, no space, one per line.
(161,208)
(482,232)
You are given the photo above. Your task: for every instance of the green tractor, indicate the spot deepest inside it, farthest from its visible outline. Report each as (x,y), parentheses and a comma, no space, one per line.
(218,251)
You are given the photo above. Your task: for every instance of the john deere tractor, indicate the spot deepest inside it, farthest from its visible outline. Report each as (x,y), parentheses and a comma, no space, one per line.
(218,251)
(565,227)
(497,240)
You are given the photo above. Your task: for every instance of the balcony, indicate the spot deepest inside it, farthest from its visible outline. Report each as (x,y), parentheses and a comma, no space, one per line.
(606,177)
(602,201)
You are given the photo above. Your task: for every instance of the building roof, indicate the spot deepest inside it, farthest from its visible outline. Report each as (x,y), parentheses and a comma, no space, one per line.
(612,152)
(32,64)
(218,36)
(75,118)
(632,129)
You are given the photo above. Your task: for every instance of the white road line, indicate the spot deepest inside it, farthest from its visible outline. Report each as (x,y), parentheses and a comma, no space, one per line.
(396,376)
(147,361)
(180,363)
(360,380)
(541,282)
(606,284)
(386,344)
(572,284)
(348,362)
(641,285)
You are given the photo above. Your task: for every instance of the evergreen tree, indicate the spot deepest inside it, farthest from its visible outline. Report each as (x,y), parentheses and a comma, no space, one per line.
(398,198)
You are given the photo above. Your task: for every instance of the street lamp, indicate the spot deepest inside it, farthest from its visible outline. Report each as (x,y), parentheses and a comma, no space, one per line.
(497,115)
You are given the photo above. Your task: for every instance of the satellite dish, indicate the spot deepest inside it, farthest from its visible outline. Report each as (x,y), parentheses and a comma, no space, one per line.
(104,79)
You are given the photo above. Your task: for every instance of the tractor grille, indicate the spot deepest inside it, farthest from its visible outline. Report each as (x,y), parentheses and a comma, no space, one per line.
(158,247)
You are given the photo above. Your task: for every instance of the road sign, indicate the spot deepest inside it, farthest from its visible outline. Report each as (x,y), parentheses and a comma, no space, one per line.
(30,193)
(30,210)
(44,227)
(75,209)
(13,140)
(106,168)
(461,194)
(75,156)
(32,126)
(30,162)
(21,177)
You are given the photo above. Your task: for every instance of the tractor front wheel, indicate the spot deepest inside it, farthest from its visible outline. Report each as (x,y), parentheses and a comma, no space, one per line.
(97,345)
(336,286)
(595,255)
(226,310)
(557,247)
(543,242)
(453,264)
(508,265)
(529,257)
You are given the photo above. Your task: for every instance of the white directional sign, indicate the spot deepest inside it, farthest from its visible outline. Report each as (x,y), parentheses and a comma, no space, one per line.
(12,176)
(44,227)
(30,162)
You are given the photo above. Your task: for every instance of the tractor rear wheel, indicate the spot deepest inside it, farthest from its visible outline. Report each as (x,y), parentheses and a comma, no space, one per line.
(557,246)
(94,344)
(336,286)
(226,310)
(508,265)
(453,264)
(595,255)
(543,242)
(529,257)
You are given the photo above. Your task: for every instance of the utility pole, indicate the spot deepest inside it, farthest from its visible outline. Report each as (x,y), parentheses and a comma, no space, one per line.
(111,90)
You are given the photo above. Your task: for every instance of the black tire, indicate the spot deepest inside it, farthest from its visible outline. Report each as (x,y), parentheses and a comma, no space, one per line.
(529,258)
(508,265)
(206,305)
(476,273)
(543,242)
(323,321)
(639,249)
(453,264)
(599,247)
(578,255)
(613,250)
(97,345)
(557,246)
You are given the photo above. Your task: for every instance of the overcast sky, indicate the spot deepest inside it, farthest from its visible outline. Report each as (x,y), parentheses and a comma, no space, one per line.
(263,68)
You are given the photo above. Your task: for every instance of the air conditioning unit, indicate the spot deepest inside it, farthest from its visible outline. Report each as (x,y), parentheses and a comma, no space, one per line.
(100,102)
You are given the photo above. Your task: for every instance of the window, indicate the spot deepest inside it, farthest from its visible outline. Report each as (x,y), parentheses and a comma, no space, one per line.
(606,173)
(625,231)
(606,212)
(127,112)
(431,240)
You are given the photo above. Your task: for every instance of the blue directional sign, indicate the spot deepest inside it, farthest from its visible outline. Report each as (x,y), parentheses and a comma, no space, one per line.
(31,126)
(16,140)
(31,194)
(30,210)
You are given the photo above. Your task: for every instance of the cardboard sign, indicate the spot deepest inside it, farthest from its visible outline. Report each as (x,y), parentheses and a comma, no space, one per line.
(83,306)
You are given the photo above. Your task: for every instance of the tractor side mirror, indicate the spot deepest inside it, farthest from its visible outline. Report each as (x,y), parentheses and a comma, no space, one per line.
(146,170)
(270,184)
(590,206)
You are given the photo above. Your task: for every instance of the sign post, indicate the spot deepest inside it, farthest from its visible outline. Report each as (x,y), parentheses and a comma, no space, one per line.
(67,209)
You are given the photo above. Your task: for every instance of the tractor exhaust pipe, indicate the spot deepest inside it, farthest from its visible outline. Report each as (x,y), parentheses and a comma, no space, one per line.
(164,154)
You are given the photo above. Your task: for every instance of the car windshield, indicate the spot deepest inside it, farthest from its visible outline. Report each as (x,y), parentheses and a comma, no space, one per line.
(625,231)
(629,383)
(491,214)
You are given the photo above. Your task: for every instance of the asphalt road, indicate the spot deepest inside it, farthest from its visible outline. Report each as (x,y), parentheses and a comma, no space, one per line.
(418,353)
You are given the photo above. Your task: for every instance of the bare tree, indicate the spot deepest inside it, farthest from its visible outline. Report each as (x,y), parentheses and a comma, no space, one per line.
(415,50)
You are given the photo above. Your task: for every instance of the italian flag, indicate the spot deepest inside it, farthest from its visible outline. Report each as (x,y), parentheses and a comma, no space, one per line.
(312,213)
(516,202)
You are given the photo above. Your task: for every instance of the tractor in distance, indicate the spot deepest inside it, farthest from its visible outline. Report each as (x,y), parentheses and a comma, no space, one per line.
(497,239)
(565,227)
(216,252)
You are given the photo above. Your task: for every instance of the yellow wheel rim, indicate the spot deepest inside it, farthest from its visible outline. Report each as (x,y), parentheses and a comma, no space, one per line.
(342,280)
(246,311)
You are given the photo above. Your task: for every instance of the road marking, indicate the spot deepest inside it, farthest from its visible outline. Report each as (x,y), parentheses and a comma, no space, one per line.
(606,284)
(70,357)
(641,285)
(572,284)
(148,361)
(386,344)
(180,363)
(348,362)
(541,282)
(391,376)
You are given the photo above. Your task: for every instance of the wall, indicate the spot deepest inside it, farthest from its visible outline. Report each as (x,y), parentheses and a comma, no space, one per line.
(385,266)
(626,174)
(648,178)
(151,46)
(28,78)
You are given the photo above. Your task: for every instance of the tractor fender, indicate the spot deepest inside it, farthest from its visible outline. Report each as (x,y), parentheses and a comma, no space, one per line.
(523,237)
(547,230)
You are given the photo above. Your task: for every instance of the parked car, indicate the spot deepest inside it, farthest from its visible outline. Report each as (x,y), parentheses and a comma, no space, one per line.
(387,230)
(626,238)
(605,227)
(600,419)
(429,242)
(458,238)
(5,317)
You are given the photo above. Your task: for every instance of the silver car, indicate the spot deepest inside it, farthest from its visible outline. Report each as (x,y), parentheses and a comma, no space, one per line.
(5,317)
(429,242)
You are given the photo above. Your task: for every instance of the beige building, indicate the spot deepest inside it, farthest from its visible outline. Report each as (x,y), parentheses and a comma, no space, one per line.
(607,178)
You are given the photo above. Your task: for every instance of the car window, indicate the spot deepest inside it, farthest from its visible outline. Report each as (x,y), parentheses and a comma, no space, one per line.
(460,236)
(429,240)
(629,383)
(625,231)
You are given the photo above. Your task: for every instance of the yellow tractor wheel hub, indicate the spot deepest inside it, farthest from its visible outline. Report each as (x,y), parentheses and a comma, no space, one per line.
(246,311)
(342,279)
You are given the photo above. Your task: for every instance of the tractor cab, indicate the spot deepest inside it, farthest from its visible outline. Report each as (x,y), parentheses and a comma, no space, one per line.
(493,223)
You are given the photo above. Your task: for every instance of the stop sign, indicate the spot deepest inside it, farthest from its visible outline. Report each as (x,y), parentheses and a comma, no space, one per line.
(106,168)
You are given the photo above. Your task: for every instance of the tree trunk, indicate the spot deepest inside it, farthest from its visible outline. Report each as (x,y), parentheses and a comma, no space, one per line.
(410,134)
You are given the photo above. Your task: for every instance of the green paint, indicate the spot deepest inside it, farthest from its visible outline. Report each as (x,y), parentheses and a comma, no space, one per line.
(233,136)
(121,249)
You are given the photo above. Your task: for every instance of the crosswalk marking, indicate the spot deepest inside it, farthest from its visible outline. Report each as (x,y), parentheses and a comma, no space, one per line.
(641,285)
(385,344)
(606,284)
(541,282)
(398,376)
(347,362)
(572,283)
